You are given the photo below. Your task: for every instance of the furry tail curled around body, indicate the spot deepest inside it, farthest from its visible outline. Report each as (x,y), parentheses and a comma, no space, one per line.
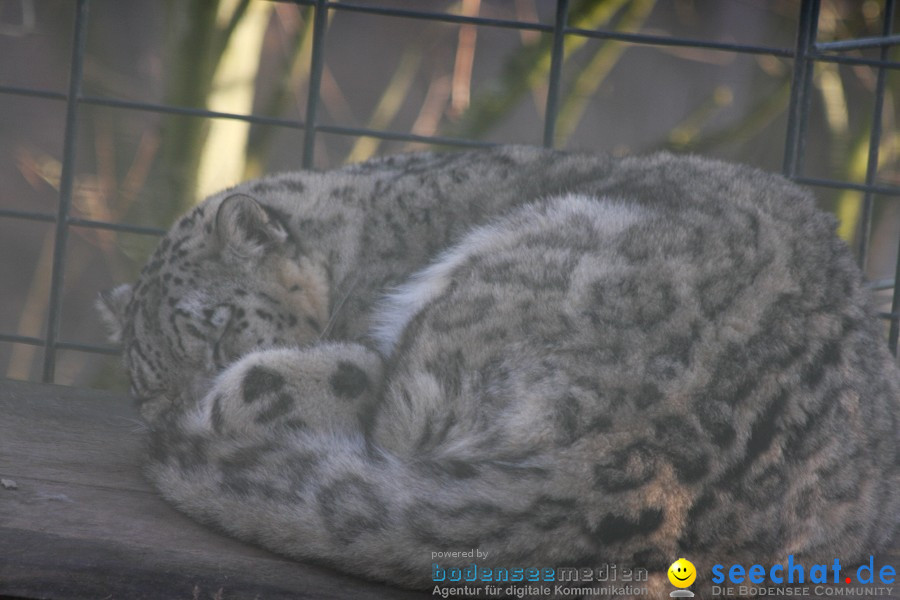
(331,497)
(274,454)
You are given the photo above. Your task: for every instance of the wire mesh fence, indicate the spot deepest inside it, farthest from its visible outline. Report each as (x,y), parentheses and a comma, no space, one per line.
(560,32)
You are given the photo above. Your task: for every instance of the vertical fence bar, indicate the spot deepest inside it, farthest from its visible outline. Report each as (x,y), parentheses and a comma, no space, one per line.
(894,331)
(865,220)
(317,62)
(67,178)
(556,60)
(798,110)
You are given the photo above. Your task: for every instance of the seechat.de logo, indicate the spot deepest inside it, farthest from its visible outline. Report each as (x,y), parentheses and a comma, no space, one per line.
(682,574)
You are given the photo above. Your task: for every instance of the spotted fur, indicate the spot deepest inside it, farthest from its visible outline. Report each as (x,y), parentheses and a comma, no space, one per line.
(599,361)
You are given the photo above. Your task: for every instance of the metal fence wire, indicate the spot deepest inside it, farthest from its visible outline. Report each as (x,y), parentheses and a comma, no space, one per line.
(805,54)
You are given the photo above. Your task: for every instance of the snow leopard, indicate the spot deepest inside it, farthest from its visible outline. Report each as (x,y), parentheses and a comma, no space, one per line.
(559,360)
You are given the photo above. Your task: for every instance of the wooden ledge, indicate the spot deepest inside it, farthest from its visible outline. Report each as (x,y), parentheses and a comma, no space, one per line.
(77,520)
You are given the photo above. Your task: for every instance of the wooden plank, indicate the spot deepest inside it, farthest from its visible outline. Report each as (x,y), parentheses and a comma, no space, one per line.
(83,523)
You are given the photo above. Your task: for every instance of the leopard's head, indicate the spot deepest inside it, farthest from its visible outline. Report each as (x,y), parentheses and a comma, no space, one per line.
(229,277)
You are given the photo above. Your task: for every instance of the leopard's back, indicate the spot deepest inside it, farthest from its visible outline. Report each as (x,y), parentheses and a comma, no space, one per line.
(682,370)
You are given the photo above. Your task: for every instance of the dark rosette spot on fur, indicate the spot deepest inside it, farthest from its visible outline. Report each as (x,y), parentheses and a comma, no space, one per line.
(691,468)
(290,185)
(349,381)
(647,395)
(627,469)
(614,528)
(259,381)
(279,408)
(215,416)
(351,507)
(552,513)
(652,559)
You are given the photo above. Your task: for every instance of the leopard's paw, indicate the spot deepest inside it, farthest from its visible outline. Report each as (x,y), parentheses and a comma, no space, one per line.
(323,386)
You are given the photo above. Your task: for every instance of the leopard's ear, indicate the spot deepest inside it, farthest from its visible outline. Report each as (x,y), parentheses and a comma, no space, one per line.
(245,229)
(111,305)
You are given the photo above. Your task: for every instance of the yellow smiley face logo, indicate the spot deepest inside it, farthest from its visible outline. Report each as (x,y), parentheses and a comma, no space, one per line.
(682,573)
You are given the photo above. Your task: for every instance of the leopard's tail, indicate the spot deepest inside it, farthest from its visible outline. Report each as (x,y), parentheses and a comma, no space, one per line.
(333,498)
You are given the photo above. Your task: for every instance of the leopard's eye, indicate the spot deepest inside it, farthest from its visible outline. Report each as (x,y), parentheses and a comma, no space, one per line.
(219,316)
(220,319)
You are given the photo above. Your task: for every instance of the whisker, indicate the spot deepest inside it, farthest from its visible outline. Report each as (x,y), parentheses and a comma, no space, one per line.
(337,309)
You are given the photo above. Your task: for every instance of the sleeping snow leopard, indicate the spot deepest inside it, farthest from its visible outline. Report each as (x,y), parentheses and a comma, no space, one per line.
(561,360)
